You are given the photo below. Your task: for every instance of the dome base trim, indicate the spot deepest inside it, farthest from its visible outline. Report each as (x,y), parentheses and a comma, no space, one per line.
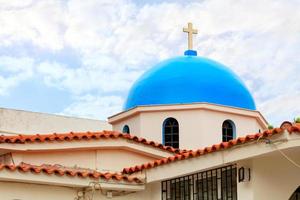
(190,53)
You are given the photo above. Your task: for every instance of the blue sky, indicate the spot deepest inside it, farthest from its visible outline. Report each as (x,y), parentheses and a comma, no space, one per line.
(80,58)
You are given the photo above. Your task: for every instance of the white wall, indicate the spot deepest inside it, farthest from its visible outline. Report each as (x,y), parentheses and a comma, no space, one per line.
(134,124)
(118,159)
(25,191)
(152,192)
(275,178)
(25,122)
(245,189)
(113,160)
(197,128)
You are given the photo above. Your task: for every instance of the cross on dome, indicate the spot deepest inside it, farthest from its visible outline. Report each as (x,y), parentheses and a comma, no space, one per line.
(190,32)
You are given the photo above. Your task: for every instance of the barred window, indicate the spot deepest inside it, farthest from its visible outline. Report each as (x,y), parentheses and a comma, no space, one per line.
(215,184)
(126,129)
(171,133)
(228,130)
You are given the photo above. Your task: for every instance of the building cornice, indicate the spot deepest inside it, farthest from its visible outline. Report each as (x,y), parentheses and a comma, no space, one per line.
(193,106)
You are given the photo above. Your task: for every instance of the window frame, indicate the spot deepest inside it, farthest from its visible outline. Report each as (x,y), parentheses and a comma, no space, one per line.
(225,136)
(172,134)
(126,129)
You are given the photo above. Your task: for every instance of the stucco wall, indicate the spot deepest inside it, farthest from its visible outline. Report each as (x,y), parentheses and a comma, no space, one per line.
(23,191)
(197,128)
(133,122)
(274,177)
(116,160)
(84,159)
(25,122)
(103,159)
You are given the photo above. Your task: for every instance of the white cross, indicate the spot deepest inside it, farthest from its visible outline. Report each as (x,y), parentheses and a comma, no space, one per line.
(190,32)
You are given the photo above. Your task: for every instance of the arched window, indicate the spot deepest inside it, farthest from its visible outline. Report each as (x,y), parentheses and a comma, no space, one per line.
(296,194)
(171,133)
(126,129)
(228,130)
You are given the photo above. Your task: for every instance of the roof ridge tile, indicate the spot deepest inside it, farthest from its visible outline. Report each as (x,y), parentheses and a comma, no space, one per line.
(22,138)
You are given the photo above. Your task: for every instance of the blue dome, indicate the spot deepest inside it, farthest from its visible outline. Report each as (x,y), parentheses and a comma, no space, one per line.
(189,79)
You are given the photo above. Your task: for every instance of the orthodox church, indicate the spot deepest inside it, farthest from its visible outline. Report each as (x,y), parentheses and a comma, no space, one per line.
(189,130)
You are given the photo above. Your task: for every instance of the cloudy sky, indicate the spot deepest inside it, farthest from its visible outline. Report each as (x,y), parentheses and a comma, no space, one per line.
(79,58)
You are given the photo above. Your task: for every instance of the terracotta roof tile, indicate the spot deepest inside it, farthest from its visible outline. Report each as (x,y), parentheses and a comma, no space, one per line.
(71,136)
(211,149)
(73,172)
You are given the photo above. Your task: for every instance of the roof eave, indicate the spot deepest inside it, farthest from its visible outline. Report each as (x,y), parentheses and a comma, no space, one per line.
(67,181)
(223,157)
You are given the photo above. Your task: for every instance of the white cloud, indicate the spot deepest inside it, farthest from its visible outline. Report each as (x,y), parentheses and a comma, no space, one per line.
(13,71)
(94,107)
(38,22)
(14,4)
(283,107)
(117,40)
(101,75)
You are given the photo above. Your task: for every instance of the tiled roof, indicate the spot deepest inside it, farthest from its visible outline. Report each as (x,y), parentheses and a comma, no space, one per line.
(21,139)
(213,148)
(72,172)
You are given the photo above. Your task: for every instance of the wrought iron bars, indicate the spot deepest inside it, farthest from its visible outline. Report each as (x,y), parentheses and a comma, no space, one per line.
(215,184)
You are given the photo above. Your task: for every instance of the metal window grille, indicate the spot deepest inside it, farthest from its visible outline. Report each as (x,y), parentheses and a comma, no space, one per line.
(296,195)
(215,184)
(227,131)
(171,133)
(126,129)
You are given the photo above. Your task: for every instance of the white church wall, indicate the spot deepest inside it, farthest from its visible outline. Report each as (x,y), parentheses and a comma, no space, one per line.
(103,159)
(245,189)
(152,125)
(26,122)
(84,159)
(26,191)
(197,128)
(117,159)
(274,177)
(212,125)
(133,122)
(152,192)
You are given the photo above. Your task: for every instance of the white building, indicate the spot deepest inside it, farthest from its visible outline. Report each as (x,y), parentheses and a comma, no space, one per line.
(14,122)
(205,141)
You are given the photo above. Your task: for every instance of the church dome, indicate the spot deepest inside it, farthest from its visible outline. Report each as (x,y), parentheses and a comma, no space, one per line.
(189,79)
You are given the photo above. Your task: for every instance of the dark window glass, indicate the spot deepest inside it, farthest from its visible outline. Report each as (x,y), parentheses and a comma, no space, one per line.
(227,131)
(176,137)
(168,138)
(171,132)
(126,129)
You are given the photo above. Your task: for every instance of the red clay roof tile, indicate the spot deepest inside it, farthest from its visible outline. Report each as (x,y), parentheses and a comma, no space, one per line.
(213,148)
(73,172)
(71,136)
